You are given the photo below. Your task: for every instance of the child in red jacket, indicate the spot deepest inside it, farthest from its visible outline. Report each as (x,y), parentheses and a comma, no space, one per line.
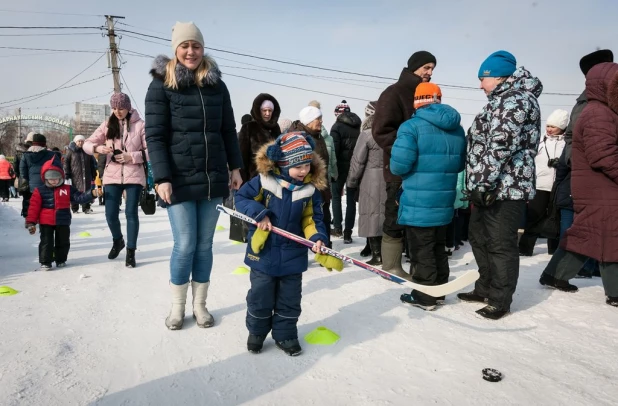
(50,206)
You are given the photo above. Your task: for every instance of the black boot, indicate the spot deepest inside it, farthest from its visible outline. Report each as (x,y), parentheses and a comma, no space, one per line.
(116,248)
(471,297)
(366,252)
(376,250)
(255,343)
(547,280)
(492,313)
(612,301)
(347,236)
(130,261)
(290,347)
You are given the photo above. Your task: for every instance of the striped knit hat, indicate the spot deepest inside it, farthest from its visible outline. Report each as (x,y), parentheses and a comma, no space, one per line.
(290,150)
(342,108)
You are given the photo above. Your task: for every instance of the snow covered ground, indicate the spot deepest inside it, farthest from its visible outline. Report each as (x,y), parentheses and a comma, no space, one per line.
(93,334)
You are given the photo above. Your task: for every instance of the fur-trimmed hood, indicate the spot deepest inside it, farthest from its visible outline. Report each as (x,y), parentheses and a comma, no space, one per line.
(317,175)
(368,123)
(184,76)
(256,113)
(350,119)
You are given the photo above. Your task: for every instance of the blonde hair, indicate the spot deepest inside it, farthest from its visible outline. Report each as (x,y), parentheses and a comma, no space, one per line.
(170,73)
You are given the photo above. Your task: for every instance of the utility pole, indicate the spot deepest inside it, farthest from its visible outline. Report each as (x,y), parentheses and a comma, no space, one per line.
(19,126)
(113,50)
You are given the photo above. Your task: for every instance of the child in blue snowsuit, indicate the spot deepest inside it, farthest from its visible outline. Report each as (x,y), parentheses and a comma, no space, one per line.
(285,194)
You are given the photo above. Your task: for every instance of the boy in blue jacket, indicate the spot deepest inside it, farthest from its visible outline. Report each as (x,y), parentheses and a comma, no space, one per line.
(428,154)
(285,194)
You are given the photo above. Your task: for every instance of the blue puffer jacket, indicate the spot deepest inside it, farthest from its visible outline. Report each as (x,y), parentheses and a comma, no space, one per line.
(299,212)
(31,164)
(428,154)
(191,133)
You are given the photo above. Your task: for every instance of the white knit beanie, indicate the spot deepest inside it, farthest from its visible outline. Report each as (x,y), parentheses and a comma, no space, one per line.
(182,32)
(79,138)
(559,118)
(308,114)
(30,136)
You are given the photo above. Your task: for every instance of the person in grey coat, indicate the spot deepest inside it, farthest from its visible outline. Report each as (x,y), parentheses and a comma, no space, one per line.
(366,180)
(81,168)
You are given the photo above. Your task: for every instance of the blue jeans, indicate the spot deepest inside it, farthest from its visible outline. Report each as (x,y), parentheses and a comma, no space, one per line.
(113,194)
(566,221)
(350,209)
(193,227)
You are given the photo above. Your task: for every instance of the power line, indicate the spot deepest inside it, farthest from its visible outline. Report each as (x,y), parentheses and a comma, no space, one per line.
(48,35)
(16,27)
(68,104)
(326,69)
(59,88)
(54,50)
(131,94)
(48,12)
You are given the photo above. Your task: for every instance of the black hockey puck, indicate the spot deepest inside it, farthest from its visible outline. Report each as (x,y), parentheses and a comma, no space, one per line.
(492,375)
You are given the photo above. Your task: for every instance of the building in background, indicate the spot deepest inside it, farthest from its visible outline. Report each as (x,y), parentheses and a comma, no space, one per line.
(89,116)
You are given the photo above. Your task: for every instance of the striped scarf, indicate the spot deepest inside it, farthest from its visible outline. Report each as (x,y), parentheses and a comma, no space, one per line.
(291,186)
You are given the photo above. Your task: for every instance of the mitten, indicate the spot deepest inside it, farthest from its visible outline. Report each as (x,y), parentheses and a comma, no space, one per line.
(329,262)
(259,240)
(31,228)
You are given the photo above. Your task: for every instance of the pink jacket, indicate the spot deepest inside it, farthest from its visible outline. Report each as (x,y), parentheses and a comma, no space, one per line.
(132,142)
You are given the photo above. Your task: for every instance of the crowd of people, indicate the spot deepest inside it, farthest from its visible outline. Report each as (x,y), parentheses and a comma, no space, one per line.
(423,184)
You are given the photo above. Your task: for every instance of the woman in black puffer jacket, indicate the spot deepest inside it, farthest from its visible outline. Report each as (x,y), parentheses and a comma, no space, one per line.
(191,137)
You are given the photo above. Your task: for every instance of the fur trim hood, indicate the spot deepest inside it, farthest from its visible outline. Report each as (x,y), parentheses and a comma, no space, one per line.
(184,76)
(257,114)
(368,123)
(350,119)
(317,175)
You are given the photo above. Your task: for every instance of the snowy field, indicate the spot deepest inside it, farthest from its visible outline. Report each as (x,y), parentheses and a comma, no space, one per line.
(93,334)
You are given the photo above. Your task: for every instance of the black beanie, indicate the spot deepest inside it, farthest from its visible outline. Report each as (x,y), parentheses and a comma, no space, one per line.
(39,140)
(419,59)
(245,119)
(595,58)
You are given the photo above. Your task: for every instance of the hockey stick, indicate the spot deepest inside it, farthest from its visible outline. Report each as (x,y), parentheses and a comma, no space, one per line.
(434,291)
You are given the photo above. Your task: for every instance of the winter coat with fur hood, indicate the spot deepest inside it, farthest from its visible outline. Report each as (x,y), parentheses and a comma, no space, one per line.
(256,133)
(133,141)
(366,174)
(191,133)
(594,176)
(345,133)
(298,211)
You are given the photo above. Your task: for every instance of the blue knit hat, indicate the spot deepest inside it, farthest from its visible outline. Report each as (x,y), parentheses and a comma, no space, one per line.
(497,65)
(291,149)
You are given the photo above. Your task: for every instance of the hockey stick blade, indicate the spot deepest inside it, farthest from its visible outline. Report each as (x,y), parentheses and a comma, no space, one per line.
(435,291)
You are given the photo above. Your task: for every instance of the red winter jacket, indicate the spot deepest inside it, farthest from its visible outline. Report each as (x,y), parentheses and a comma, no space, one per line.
(52,205)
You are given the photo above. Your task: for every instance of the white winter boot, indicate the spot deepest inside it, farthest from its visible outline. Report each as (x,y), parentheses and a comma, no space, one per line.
(179,298)
(200,312)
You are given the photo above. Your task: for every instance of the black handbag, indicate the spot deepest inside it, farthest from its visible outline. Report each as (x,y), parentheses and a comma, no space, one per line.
(549,225)
(147,200)
(238,228)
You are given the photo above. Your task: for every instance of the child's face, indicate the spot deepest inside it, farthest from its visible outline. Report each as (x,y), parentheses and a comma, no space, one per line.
(299,172)
(54,182)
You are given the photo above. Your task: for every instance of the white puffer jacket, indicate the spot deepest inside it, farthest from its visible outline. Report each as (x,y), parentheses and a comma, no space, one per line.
(549,148)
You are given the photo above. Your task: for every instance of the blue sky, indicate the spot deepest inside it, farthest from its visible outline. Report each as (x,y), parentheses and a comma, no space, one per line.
(547,36)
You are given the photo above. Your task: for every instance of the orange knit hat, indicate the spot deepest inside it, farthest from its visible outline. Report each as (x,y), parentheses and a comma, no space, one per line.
(427,93)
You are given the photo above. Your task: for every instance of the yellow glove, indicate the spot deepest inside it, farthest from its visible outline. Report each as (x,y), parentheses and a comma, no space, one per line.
(329,262)
(259,240)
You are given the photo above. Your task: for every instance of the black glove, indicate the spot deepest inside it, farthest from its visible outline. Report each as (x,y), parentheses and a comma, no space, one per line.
(353,193)
(482,199)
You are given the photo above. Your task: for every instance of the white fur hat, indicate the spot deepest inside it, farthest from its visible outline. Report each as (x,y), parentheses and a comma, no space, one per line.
(182,32)
(558,118)
(30,136)
(79,138)
(308,114)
